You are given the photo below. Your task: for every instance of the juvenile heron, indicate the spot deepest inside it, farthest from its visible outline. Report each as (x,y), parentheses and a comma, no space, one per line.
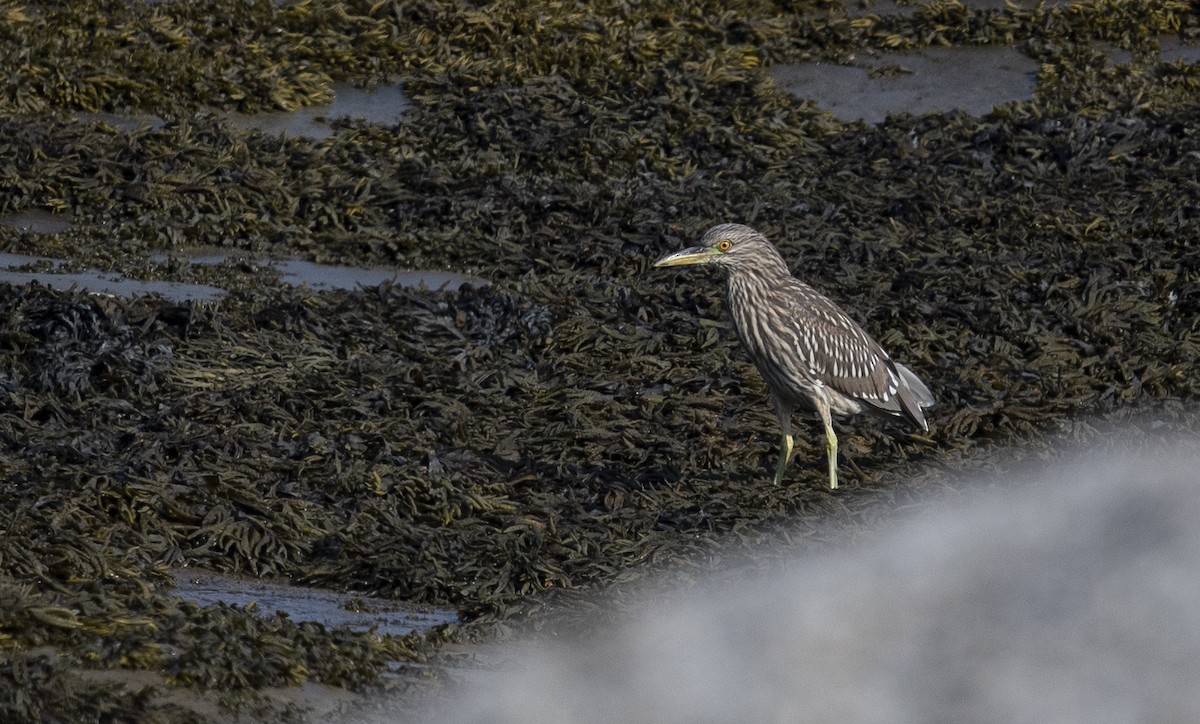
(811,353)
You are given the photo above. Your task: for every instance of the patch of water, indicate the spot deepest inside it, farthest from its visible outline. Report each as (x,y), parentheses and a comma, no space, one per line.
(385,105)
(323,277)
(97,282)
(856,8)
(928,81)
(127,123)
(332,609)
(18,269)
(40,221)
(327,276)
(1171,49)
(1175,49)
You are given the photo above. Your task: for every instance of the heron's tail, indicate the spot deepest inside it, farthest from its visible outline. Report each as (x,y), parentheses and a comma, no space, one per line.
(913,396)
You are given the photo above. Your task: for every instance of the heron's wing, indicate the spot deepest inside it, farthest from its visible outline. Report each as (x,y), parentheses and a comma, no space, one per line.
(844,357)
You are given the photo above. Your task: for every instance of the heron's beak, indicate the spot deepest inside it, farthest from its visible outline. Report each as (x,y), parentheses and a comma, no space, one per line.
(694,255)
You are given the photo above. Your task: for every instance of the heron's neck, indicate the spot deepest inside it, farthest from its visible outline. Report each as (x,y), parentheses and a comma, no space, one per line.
(768,267)
(747,286)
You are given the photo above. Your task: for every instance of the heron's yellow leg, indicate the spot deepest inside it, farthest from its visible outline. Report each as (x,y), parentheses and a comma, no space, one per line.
(786,445)
(786,441)
(830,441)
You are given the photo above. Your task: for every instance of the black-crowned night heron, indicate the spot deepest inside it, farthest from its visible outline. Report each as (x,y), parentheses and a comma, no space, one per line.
(811,353)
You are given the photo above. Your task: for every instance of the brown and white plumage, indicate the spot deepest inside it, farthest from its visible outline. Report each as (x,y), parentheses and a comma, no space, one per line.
(811,353)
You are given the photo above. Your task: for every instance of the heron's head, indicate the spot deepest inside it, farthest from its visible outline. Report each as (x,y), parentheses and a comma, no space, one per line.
(733,246)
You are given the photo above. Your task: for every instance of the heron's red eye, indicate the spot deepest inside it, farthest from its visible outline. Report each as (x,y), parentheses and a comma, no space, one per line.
(724,245)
